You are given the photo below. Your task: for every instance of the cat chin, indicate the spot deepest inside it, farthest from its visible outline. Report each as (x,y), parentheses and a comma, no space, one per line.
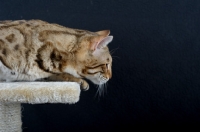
(97,82)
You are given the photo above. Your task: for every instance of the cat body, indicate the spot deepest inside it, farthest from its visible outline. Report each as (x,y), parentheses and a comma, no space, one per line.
(36,50)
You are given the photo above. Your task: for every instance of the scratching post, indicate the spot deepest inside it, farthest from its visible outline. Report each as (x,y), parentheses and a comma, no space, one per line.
(10,117)
(14,93)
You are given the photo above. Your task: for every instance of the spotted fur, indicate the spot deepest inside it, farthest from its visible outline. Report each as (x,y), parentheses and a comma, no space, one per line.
(35,50)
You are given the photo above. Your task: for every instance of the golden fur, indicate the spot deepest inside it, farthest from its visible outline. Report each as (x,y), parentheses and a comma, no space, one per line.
(34,50)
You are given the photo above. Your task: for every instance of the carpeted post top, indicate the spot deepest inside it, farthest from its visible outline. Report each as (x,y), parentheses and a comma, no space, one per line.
(39,92)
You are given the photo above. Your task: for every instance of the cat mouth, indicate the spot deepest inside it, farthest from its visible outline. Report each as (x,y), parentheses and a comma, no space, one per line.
(98,81)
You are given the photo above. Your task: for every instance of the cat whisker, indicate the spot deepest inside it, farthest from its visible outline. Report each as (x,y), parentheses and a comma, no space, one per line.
(97,86)
(116,57)
(101,87)
(105,87)
(98,93)
(113,50)
(103,90)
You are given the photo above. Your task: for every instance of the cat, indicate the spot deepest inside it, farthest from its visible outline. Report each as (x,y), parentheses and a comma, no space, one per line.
(32,50)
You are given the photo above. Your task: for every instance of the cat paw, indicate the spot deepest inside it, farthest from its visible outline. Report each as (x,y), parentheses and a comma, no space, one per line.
(84,85)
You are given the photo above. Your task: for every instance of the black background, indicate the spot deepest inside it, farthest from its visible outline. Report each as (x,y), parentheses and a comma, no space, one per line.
(155,69)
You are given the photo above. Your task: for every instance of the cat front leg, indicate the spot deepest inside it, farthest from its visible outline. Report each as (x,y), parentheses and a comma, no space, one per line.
(69,78)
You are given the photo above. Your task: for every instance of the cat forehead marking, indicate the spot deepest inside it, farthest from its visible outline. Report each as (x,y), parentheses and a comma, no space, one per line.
(4,52)
(1,42)
(16,47)
(10,38)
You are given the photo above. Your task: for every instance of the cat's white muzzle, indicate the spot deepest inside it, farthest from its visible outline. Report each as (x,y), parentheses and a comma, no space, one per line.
(98,79)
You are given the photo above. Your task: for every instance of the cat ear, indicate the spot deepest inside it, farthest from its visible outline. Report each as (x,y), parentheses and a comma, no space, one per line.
(99,42)
(105,42)
(103,33)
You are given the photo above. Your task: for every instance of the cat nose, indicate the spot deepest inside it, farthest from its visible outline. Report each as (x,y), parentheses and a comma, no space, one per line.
(107,76)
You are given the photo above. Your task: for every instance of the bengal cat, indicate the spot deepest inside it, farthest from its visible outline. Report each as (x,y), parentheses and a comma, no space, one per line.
(36,50)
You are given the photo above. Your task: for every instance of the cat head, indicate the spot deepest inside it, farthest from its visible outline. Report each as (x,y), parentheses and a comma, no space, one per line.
(95,57)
